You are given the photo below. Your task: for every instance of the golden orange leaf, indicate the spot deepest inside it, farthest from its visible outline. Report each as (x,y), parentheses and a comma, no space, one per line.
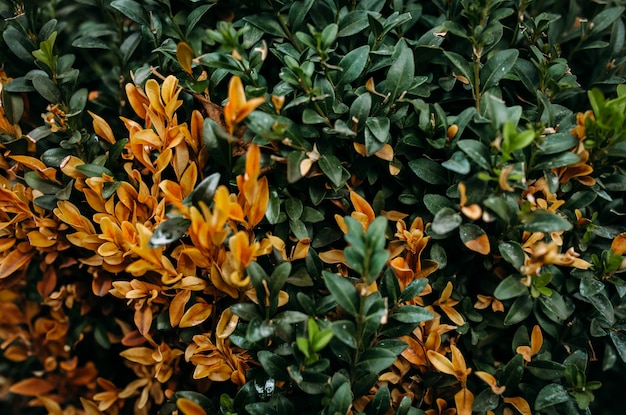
(102,128)
(184,55)
(464,400)
(226,324)
(361,205)
(520,404)
(177,307)
(143,319)
(51,405)
(536,340)
(90,407)
(141,355)
(385,153)
(441,363)
(619,244)
(32,387)
(491,381)
(16,353)
(14,261)
(196,314)
(189,407)
(480,244)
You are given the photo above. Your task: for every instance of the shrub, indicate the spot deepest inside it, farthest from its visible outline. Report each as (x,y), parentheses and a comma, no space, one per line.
(271,207)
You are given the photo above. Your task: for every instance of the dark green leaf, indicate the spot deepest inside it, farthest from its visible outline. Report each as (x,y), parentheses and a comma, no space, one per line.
(546,369)
(559,160)
(411,314)
(376,359)
(550,395)
(519,311)
(46,88)
(343,292)
(133,10)
(169,231)
(353,64)
(401,72)
(446,220)
(94,170)
(429,171)
(498,65)
(510,287)
(513,253)
(380,404)
(332,168)
(274,365)
(88,42)
(544,221)
(619,340)
(461,64)
(267,22)
(477,151)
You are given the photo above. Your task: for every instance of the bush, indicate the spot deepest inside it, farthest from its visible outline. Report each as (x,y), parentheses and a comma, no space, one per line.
(322,207)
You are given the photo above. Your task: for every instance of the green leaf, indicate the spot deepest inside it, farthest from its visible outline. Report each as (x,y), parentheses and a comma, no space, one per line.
(619,340)
(341,401)
(411,314)
(413,289)
(462,65)
(343,292)
(89,42)
(273,207)
(558,160)
(344,331)
(267,22)
(556,143)
(544,221)
(13,105)
(133,10)
(46,88)
(446,220)
(498,65)
(247,311)
(294,208)
(401,72)
(380,404)
(477,151)
(546,369)
(605,19)
(513,253)
(376,133)
(510,287)
(169,231)
(550,395)
(310,116)
(278,278)
(376,359)
(204,191)
(94,170)
(18,43)
(429,171)
(194,17)
(79,100)
(519,311)
(34,180)
(274,365)
(332,168)
(352,65)
(321,339)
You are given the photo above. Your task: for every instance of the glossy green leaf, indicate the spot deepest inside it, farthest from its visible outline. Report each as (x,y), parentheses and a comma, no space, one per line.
(332,168)
(510,287)
(169,231)
(519,311)
(376,359)
(550,395)
(352,65)
(496,67)
(133,10)
(544,221)
(429,171)
(401,72)
(476,151)
(461,65)
(343,292)
(274,365)
(446,220)
(513,253)
(411,314)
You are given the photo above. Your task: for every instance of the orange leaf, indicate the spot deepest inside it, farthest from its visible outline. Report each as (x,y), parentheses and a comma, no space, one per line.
(196,314)
(143,319)
(189,407)
(102,128)
(479,244)
(361,205)
(184,55)
(520,404)
(13,262)
(491,381)
(385,153)
(464,400)
(619,244)
(32,387)
(441,363)
(141,355)
(536,340)
(177,307)
(227,324)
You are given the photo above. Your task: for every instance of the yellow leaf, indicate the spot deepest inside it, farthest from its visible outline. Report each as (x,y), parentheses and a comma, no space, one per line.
(137,100)
(385,153)
(334,256)
(196,314)
(520,404)
(226,324)
(32,387)
(184,55)
(189,407)
(361,205)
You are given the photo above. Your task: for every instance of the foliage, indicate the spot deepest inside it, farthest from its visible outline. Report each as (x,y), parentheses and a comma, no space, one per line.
(263,207)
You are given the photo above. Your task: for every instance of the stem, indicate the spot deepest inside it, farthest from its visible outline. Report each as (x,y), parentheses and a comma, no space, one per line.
(476,55)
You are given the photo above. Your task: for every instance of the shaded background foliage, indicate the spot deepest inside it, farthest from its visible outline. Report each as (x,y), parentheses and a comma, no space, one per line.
(475,149)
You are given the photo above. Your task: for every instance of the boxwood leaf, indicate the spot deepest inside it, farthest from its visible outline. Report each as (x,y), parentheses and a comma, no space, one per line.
(497,66)
(133,10)
(429,171)
(376,359)
(353,64)
(510,287)
(550,395)
(521,308)
(343,292)
(446,220)
(274,365)
(544,221)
